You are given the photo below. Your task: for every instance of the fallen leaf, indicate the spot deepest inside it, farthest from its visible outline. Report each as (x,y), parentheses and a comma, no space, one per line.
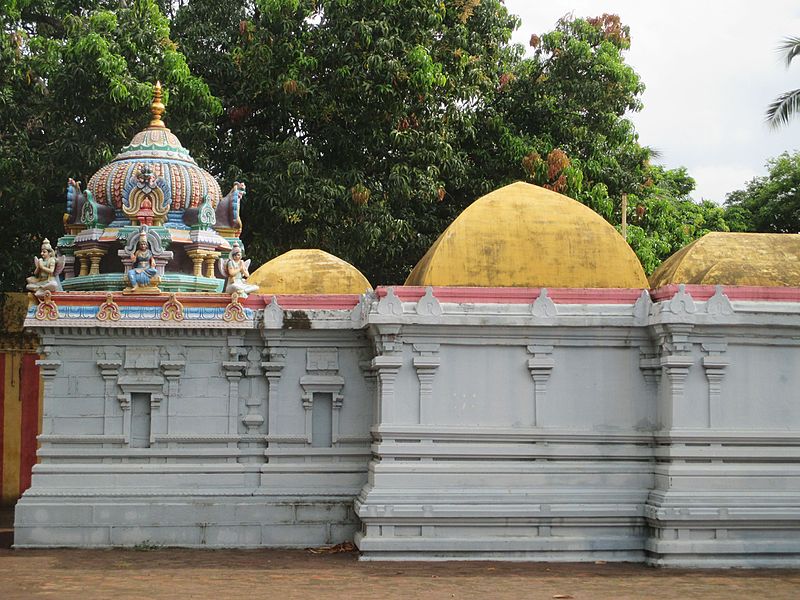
(343,547)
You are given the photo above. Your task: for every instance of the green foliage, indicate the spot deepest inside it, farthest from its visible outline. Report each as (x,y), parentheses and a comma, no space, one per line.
(785,106)
(349,130)
(665,219)
(768,204)
(361,127)
(366,137)
(75,83)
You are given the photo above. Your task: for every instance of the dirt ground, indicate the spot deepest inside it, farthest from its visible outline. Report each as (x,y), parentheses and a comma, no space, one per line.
(175,573)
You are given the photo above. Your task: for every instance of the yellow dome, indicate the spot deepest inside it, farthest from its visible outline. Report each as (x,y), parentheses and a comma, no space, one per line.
(718,258)
(308,272)
(523,235)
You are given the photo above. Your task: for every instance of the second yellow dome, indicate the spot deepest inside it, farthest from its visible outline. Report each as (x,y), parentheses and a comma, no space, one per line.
(523,235)
(308,272)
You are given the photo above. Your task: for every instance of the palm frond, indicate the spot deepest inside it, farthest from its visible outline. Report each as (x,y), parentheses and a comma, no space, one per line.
(783,108)
(654,153)
(790,48)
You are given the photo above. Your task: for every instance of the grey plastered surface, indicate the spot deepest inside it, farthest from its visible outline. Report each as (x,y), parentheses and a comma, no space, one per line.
(473,431)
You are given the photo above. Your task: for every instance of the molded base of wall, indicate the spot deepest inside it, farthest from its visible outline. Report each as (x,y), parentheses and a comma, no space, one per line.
(200,521)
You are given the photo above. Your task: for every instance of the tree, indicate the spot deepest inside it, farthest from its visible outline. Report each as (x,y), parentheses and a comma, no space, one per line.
(573,95)
(75,83)
(349,130)
(664,218)
(361,127)
(771,203)
(785,106)
(367,137)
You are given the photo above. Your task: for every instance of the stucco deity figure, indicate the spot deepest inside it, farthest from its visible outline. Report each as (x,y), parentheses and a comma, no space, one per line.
(143,272)
(237,272)
(45,271)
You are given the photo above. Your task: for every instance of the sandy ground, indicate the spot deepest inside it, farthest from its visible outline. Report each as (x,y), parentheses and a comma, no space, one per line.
(175,573)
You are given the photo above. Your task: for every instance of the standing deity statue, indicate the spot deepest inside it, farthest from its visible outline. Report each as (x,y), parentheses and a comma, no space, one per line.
(237,271)
(45,271)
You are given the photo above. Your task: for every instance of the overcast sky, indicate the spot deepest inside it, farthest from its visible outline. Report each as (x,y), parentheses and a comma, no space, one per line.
(710,68)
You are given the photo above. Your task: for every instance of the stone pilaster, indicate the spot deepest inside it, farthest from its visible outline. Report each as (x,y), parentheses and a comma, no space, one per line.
(82,258)
(386,368)
(425,364)
(714,364)
(234,371)
(273,369)
(109,371)
(540,366)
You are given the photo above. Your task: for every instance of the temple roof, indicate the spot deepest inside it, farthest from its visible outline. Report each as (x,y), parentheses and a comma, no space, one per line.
(523,235)
(159,149)
(718,258)
(309,272)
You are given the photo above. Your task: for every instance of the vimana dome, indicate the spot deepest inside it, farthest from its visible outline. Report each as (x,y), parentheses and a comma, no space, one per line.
(523,235)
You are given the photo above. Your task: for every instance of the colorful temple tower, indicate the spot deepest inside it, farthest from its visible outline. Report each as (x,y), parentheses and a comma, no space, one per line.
(152,190)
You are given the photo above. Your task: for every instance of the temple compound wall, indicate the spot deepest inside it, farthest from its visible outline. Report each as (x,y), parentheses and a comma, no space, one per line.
(562,424)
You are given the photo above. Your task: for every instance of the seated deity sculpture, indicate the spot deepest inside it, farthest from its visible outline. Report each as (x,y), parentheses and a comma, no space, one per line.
(46,271)
(237,271)
(143,275)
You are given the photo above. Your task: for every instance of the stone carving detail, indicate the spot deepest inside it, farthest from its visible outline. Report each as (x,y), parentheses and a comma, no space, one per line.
(676,356)
(322,366)
(273,315)
(322,359)
(273,367)
(359,313)
(714,365)
(172,310)
(236,271)
(109,371)
(234,371)
(46,271)
(234,311)
(681,303)
(206,215)
(48,368)
(425,364)
(386,339)
(172,368)
(141,357)
(543,306)
(650,366)
(146,203)
(109,310)
(90,211)
(641,308)
(386,368)
(540,366)
(390,304)
(719,304)
(428,305)
(47,309)
(677,369)
(144,258)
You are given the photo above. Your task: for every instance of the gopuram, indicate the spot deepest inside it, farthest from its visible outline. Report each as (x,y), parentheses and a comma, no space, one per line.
(527,394)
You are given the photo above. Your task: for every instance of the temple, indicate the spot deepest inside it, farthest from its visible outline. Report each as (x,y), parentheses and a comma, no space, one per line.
(525,395)
(154,189)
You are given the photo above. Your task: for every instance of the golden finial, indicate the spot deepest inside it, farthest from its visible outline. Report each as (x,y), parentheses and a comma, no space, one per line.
(157,107)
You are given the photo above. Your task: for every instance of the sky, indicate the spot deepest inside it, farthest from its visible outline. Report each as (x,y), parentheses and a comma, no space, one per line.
(710,68)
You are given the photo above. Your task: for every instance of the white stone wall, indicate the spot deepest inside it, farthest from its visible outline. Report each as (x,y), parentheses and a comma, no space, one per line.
(666,432)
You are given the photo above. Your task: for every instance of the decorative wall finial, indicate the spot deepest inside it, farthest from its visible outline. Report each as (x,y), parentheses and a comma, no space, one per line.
(157,108)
